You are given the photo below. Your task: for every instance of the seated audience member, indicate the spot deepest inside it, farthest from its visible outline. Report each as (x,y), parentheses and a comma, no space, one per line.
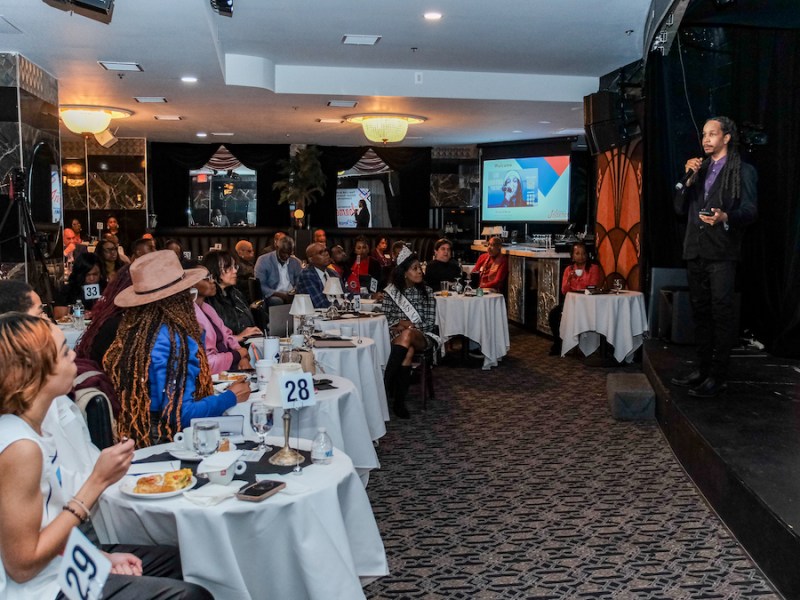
(112,227)
(246,259)
(37,509)
(362,268)
(77,228)
(582,273)
(442,267)
(272,247)
(320,237)
(228,302)
(492,267)
(410,310)
(312,279)
(381,255)
(277,273)
(339,260)
(220,219)
(396,247)
(222,348)
(73,246)
(120,249)
(106,317)
(112,262)
(156,363)
(87,269)
(63,420)
(141,247)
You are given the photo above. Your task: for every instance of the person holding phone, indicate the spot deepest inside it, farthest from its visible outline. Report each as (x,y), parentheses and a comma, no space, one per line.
(36,513)
(718,195)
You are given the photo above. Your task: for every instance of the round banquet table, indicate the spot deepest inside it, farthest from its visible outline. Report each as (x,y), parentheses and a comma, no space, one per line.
(621,318)
(359,364)
(375,327)
(339,410)
(71,334)
(482,319)
(312,540)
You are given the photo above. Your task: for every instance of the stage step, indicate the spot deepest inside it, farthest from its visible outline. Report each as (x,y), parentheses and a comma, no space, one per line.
(630,397)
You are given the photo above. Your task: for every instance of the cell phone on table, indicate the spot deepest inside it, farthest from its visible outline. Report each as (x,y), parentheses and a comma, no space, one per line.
(707,212)
(260,490)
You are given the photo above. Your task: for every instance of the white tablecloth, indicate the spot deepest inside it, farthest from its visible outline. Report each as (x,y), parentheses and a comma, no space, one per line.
(621,318)
(72,335)
(360,365)
(482,319)
(376,328)
(314,544)
(340,411)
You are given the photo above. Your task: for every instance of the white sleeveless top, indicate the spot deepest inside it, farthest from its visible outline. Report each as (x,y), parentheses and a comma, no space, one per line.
(44,585)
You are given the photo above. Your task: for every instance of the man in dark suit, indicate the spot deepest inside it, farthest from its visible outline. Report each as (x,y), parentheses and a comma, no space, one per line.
(720,200)
(312,279)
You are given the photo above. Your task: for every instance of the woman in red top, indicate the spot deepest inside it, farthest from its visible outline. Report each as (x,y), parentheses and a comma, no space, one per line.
(362,268)
(581,274)
(492,267)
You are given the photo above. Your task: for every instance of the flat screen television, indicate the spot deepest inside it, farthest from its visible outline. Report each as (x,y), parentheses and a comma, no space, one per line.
(526,188)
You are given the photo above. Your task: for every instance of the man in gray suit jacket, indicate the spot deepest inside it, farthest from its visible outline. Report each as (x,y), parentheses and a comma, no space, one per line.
(277,273)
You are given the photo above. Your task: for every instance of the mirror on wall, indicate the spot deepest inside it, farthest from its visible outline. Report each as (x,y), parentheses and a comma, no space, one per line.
(223,193)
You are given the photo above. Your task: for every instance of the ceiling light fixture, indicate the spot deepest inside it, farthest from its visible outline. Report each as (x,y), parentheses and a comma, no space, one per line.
(432,16)
(86,120)
(150,99)
(189,79)
(385,127)
(223,7)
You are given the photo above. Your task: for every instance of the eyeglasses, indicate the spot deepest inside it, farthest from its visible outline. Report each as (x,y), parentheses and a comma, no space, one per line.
(232,269)
(208,277)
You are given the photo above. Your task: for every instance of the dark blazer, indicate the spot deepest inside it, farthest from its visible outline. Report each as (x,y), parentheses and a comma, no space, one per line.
(309,283)
(718,242)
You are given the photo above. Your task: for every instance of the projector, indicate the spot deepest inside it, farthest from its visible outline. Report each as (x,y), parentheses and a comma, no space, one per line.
(101,6)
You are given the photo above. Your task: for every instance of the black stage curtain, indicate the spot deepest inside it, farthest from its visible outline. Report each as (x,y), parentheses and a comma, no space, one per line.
(412,164)
(751,75)
(170,164)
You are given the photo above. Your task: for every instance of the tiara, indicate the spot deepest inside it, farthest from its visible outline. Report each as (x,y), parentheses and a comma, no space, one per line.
(403,255)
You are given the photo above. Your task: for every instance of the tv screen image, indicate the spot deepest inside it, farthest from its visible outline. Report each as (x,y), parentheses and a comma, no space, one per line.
(532,188)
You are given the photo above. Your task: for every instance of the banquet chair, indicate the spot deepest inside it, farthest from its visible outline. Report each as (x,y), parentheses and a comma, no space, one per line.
(99,421)
(422,363)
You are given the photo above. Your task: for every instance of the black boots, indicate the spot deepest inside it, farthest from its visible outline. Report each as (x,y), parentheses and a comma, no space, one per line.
(396,379)
(401,391)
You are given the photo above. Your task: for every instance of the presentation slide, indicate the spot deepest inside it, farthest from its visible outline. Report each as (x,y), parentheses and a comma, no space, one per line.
(526,189)
(347,203)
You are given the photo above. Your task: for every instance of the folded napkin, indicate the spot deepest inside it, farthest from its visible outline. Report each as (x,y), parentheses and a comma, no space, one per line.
(293,487)
(154,467)
(218,461)
(213,493)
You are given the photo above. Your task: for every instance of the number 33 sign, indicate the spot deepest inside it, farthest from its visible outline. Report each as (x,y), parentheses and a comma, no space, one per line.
(83,570)
(297,390)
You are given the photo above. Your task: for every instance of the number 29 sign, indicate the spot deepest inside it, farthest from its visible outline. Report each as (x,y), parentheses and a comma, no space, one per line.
(83,570)
(297,390)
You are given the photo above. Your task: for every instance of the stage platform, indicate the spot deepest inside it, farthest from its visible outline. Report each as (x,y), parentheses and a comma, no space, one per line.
(742,449)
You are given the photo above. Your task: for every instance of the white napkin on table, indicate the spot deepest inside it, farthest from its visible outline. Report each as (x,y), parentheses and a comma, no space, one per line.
(219,461)
(213,493)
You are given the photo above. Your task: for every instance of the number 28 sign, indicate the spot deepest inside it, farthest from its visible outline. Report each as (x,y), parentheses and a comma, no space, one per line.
(297,390)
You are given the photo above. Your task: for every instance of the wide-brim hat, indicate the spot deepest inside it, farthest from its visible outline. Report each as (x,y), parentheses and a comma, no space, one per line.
(155,276)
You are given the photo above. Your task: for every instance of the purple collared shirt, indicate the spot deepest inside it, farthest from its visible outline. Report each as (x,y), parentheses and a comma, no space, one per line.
(713,171)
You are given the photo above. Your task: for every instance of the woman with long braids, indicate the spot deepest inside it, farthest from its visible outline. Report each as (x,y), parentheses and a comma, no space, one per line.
(157,363)
(410,309)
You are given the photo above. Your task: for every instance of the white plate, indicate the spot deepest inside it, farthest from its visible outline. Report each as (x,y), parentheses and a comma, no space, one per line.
(127,485)
(186,455)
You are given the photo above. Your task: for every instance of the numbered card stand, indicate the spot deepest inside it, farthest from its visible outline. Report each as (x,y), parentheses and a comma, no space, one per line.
(296,390)
(83,570)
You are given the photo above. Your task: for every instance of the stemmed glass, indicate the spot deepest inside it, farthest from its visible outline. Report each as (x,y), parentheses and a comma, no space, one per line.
(617,285)
(261,422)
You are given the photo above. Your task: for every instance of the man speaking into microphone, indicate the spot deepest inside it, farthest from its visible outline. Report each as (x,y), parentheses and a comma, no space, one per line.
(718,195)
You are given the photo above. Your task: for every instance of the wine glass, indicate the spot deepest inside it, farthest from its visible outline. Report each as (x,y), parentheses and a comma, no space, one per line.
(206,437)
(617,285)
(261,422)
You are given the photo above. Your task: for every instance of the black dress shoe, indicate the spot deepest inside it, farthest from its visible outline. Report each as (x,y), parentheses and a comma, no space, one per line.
(710,388)
(691,380)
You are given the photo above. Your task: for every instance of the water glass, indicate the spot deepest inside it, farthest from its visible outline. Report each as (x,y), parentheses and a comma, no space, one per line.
(206,437)
(617,285)
(445,288)
(261,422)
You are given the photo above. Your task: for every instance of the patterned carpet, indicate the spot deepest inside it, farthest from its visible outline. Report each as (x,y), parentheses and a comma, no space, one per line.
(518,484)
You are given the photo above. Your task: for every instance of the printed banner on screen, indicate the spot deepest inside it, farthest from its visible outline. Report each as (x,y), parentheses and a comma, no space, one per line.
(347,202)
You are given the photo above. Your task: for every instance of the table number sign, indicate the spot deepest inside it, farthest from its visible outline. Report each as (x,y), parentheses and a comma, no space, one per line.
(91,291)
(83,570)
(297,390)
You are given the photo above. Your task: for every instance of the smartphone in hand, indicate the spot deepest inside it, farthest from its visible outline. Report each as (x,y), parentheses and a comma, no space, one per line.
(707,212)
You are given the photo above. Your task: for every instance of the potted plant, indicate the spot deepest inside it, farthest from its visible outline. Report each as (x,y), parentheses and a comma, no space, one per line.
(302,178)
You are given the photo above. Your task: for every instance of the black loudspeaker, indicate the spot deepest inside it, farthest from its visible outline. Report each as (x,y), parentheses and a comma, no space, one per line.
(608,135)
(602,106)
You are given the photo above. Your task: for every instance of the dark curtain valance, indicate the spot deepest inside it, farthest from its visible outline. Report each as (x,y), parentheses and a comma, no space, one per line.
(750,75)
(169,166)
(412,164)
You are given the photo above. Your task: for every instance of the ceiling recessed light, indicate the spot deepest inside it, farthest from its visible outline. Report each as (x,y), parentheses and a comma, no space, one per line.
(342,103)
(202,134)
(432,16)
(517,131)
(360,40)
(150,99)
(331,121)
(168,118)
(224,133)
(189,79)
(111,65)
(545,122)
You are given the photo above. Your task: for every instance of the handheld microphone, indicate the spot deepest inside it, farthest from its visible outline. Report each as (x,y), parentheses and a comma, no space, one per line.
(685,179)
